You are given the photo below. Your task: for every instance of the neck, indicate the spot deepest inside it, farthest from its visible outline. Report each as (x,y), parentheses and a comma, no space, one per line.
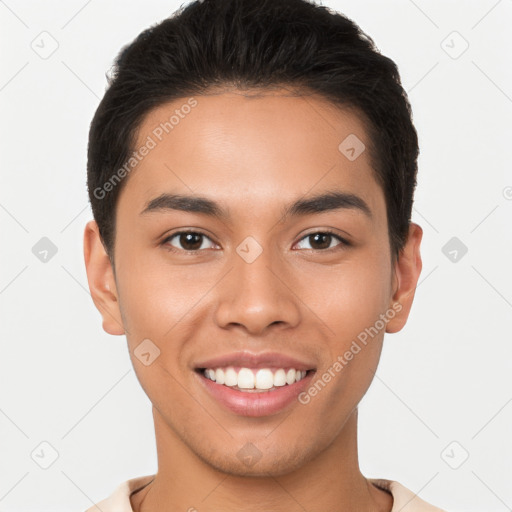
(331,481)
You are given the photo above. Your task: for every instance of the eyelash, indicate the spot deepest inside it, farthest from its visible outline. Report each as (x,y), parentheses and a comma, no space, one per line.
(170,248)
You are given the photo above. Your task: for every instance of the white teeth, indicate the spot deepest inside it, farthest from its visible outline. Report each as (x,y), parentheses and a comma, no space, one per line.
(219,375)
(280,378)
(264,379)
(290,376)
(247,378)
(230,377)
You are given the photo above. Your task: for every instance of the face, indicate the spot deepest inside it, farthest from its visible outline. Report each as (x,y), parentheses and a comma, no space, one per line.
(255,283)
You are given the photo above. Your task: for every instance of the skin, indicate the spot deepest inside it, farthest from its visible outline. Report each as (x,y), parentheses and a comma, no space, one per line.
(253,155)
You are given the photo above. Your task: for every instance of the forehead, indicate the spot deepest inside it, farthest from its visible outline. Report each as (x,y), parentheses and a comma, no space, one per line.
(265,147)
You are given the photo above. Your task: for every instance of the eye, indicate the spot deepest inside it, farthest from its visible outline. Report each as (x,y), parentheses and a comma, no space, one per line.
(190,241)
(321,240)
(194,241)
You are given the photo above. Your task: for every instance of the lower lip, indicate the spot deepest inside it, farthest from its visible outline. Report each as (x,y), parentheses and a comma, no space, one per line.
(262,403)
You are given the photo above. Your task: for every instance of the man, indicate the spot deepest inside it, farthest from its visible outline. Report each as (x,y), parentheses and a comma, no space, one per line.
(251,171)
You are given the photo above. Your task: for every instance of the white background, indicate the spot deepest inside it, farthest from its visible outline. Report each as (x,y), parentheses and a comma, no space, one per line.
(447,376)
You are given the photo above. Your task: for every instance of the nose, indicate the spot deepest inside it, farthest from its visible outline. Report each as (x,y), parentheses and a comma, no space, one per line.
(256,295)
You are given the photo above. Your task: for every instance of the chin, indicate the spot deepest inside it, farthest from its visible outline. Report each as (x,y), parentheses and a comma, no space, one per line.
(250,461)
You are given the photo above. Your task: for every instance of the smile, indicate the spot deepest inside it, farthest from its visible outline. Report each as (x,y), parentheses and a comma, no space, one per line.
(254,379)
(281,387)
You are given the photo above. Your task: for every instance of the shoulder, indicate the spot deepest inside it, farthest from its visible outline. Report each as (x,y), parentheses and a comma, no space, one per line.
(119,500)
(404,500)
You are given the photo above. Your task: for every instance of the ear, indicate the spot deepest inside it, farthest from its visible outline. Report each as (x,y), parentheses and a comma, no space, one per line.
(100,276)
(407,272)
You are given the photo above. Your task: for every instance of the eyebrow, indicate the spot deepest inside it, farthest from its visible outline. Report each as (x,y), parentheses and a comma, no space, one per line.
(324,202)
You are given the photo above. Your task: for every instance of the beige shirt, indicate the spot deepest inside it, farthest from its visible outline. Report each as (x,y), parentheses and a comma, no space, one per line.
(404,500)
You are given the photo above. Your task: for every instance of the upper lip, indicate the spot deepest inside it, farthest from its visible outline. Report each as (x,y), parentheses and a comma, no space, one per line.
(251,360)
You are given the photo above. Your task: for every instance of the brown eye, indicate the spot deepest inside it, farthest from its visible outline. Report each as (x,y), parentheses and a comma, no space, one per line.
(191,241)
(322,240)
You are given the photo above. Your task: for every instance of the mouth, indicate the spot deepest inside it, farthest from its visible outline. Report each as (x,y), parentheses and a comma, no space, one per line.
(251,385)
(254,380)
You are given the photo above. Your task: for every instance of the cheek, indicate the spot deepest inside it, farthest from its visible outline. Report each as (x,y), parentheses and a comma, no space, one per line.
(350,297)
(156,301)
(351,304)
(164,304)
(350,358)
(155,296)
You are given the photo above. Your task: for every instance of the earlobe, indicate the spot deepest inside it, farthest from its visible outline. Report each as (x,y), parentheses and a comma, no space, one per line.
(407,272)
(100,277)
